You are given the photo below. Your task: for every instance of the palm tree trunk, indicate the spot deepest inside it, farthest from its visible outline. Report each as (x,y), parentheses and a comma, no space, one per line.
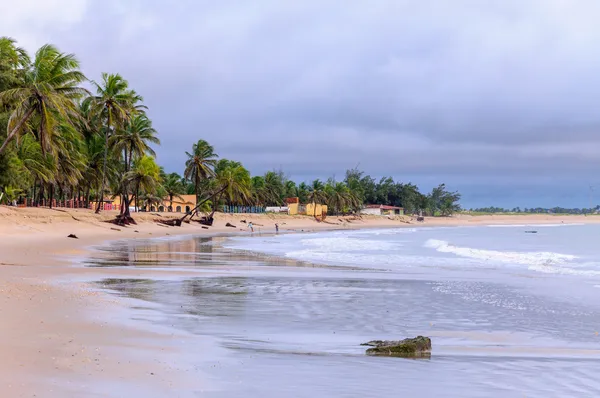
(216,200)
(137,195)
(41,193)
(196,189)
(125,203)
(86,194)
(33,200)
(16,129)
(104,167)
(50,195)
(171,205)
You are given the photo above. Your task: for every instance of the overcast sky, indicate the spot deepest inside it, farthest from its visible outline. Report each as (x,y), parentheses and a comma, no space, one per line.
(498,99)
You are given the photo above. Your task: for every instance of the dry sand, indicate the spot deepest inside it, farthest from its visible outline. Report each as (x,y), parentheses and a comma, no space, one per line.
(59,336)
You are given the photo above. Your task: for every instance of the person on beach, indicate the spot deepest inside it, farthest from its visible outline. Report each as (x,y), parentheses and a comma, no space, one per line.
(276,228)
(251,226)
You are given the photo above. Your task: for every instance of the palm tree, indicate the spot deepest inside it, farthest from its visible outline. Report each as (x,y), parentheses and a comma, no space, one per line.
(145,175)
(133,141)
(113,104)
(231,182)
(150,199)
(12,60)
(47,95)
(42,167)
(303,190)
(70,157)
(291,190)
(174,187)
(316,194)
(200,164)
(337,196)
(274,188)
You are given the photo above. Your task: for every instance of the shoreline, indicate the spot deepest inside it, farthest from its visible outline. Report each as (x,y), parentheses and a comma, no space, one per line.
(58,328)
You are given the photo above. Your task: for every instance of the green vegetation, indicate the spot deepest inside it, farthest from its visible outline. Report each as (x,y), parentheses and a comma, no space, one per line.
(60,141)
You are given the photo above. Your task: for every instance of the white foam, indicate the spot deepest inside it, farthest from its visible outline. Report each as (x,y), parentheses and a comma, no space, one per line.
(336,244)
(533,225)
(564,270)
(525,258)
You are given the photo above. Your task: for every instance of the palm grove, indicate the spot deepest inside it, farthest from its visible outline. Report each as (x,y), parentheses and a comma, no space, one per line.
(59,140)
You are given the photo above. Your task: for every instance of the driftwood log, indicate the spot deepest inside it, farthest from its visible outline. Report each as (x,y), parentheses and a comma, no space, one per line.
(171,223)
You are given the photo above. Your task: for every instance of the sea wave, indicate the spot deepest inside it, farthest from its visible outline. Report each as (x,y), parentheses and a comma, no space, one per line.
(524,258)
(533,225)
(336,244)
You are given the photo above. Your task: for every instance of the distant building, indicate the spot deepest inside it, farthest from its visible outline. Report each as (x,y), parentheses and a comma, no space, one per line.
(182,204)
(382,210)
(309,209)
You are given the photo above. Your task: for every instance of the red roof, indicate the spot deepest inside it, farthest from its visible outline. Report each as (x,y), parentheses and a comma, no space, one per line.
(383,207)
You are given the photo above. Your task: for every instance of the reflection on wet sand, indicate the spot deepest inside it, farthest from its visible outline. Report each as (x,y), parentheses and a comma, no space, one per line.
(299,334)
(179,252)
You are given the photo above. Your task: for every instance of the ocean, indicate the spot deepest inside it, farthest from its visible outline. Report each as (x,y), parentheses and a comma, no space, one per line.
(512,311)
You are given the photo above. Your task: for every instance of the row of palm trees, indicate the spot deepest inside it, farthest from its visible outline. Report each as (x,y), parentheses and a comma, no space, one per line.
(59,135)
(61,140)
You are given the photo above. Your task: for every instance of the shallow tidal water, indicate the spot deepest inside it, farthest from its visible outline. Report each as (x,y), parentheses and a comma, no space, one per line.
(510,314)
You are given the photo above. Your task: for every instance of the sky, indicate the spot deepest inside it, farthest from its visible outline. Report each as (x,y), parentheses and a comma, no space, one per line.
(500,99)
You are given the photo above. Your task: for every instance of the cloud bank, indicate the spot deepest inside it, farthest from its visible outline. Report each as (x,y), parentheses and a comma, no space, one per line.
(497,99)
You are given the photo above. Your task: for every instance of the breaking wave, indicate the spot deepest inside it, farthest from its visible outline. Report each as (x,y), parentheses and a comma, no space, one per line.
(524,258)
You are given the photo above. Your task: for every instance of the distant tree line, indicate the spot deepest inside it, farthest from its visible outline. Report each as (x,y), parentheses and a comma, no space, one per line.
(536,210)
(60,141)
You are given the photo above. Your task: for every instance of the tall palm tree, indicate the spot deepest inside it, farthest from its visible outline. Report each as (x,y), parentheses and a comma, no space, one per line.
(113,104)
(47,95)
(200,164)
(174,187)
(135,139)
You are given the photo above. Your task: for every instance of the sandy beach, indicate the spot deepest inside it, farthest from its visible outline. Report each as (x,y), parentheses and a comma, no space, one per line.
(56,326)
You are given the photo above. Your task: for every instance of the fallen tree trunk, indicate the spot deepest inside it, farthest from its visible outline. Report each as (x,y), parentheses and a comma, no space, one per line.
(171,223)
(122,220)
(195,209)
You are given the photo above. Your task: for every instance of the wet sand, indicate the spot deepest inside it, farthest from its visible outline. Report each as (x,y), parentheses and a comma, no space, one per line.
(62,336)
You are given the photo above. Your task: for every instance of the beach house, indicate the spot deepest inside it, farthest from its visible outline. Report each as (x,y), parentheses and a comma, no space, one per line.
(382,210)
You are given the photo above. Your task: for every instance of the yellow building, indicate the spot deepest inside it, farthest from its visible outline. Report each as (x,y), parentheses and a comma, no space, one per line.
(184,204)
(310,209)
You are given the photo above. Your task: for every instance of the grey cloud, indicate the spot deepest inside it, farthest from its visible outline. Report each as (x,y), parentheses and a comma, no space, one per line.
(472,93)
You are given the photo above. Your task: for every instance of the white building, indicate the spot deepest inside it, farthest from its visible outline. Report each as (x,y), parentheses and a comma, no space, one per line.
(382,210)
